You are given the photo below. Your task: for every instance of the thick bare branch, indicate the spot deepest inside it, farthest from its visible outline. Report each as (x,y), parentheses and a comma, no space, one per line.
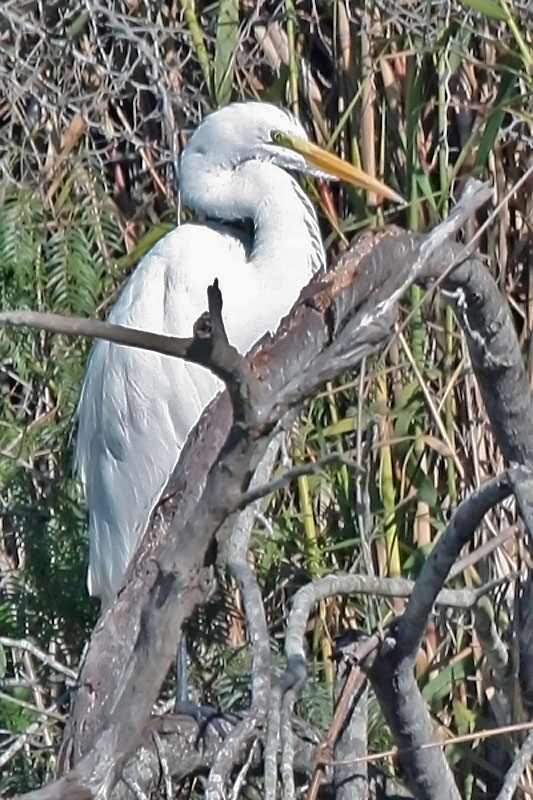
(209,346)
(494,349)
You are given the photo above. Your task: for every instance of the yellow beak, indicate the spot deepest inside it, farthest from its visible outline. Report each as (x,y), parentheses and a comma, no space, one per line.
(336,166)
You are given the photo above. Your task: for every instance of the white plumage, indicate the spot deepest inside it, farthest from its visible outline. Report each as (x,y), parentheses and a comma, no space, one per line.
(136,408)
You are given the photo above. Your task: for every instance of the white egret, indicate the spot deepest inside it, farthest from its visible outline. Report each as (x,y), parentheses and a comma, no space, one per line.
(136,408)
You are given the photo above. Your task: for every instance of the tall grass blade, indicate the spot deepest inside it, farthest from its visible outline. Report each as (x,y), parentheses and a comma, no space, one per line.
(486,7)
(496,116)
(226,44)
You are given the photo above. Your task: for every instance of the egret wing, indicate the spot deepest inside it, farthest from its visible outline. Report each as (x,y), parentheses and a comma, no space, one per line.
(137,407)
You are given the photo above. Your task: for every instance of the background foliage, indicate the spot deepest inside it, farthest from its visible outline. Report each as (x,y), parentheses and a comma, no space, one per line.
(97,103)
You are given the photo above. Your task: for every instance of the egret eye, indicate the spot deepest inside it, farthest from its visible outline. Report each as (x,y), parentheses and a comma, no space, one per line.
(277,137)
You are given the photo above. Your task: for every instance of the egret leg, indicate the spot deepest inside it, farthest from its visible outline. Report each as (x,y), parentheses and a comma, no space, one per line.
(204,715)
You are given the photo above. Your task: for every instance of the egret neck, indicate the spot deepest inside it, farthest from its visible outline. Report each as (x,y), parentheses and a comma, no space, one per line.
(286,249)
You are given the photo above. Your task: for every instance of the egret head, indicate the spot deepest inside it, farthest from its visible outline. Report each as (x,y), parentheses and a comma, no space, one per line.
(244,132)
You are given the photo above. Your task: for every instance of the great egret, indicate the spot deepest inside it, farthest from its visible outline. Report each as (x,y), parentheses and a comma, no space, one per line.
(136,408)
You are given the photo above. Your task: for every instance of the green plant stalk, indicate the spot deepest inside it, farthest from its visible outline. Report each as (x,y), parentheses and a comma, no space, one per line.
(197,36)
(382,154)
(315,571)
(417,328)
(333,411)
(495,118)
(344,119)
(449,321)
(308,519)
(334,414)
(388,490)
(413,104)
(449,405)
(226,44)
(515,30)
(293,64)
(442,120)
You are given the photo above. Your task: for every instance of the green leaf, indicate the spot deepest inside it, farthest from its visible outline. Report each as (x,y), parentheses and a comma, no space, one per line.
(344,425)
(407,417)
(144,244)
(496,116)
(465,718)
(226,44)
(13,716)
(447,679)
(426,489)
(486,7)
(406,394)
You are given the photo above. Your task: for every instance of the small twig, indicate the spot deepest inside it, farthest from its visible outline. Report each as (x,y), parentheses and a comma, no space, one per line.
(429,400)
(395,752)
(97,329)
(514,773)
(18,744)
(209,346)
(483,551)
(313,468)
(42,712)
(469,246)
(243,772)
(165,771)
(40,655)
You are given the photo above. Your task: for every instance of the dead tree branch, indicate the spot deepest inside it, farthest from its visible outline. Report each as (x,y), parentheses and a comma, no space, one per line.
(494,349)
